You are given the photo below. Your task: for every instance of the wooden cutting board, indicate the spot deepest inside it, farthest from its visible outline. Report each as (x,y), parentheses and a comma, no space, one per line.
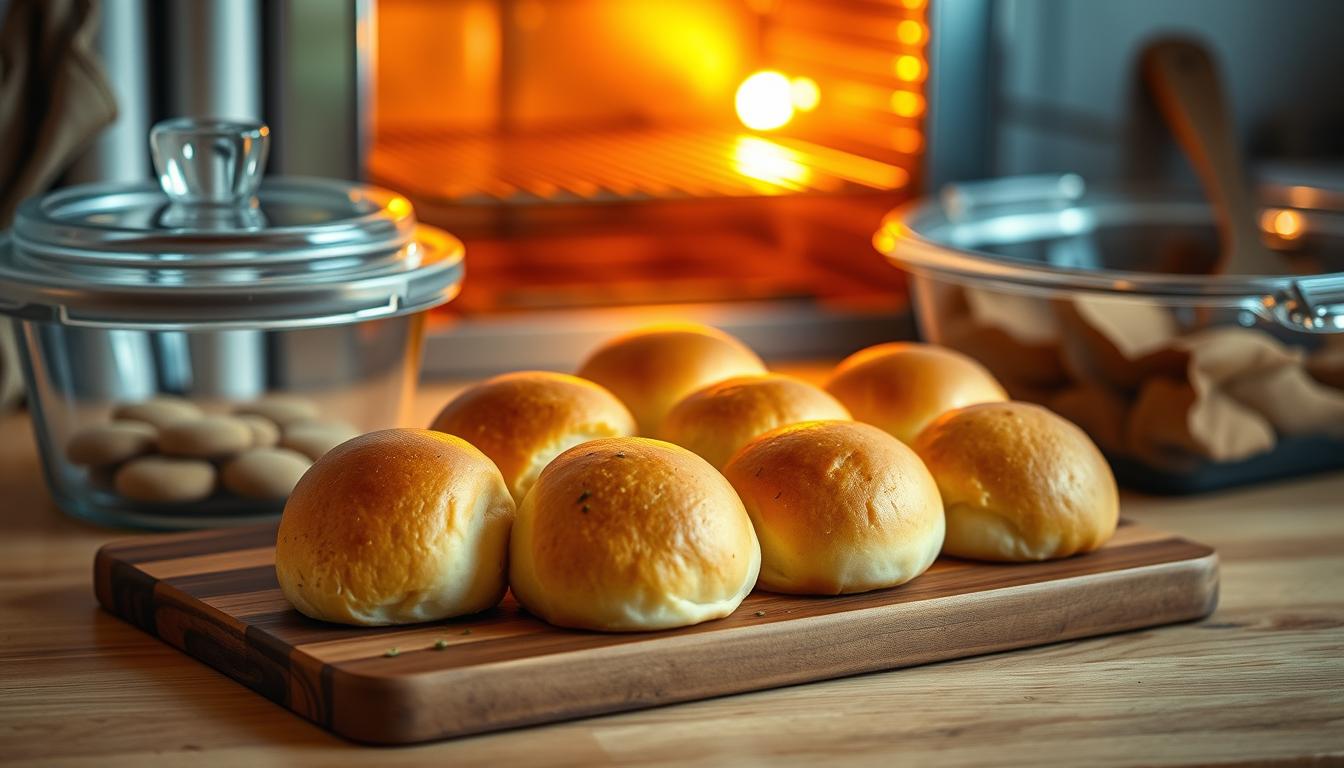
(214,596)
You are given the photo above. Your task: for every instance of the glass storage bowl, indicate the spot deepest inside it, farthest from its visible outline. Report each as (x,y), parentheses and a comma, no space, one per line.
(220,288)
(1100,305)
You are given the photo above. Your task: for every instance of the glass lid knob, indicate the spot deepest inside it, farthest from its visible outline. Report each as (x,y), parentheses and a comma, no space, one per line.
(210,162)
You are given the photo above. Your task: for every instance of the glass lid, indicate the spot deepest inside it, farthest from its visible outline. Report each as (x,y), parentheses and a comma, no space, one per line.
(214,244)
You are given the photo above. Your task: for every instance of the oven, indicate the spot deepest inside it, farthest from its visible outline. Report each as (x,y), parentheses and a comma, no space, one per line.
(611,161)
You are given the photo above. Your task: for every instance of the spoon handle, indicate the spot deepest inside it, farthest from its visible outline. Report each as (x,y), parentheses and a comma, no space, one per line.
(1185,83)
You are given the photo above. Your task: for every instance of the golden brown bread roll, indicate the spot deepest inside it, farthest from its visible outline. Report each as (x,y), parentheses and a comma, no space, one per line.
(524,420)
(839,507)
(627,534)
(1019,483)
(651,369)
(902,386)
(716,421)
(395,527)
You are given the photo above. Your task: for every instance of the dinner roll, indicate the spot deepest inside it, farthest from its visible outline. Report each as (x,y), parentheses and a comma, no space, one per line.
(627,533)
(1019,483)
(839,507)
(652,368)
(523,420)
(902,386)
(716,421)
(393,527)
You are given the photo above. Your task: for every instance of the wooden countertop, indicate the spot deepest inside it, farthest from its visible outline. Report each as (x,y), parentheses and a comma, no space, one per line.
(1262,679)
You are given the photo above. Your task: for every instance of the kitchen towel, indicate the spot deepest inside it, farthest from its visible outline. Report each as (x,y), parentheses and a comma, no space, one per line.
(54,98)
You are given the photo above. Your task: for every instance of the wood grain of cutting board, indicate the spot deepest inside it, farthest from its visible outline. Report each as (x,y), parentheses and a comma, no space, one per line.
(214,596)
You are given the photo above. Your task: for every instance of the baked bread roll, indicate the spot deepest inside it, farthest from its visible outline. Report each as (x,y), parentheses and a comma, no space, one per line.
(652,368)
(716,421)
(1019,483)
(395,527)
(839,507)
(523,420)
(902,386)
(626,534)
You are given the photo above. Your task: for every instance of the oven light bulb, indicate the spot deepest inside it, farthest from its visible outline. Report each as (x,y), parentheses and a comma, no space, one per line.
(765,101)
(806,94)
(1284,223)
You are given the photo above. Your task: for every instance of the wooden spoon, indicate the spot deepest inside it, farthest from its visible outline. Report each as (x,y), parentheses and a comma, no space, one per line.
(1185,83)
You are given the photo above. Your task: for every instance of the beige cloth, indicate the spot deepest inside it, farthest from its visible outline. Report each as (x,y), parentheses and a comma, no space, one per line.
(1142,386)
(54,95)
(11,381)
(54,98)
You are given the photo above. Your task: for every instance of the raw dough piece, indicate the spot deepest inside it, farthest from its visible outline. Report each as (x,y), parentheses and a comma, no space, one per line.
(281,409)
(265,473)
(207,438)
(166,479)
(103,445)
(265,433)
(159,411)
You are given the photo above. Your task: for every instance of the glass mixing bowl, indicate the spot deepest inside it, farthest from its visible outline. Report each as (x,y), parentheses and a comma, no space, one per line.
(1100,305)
(217,291)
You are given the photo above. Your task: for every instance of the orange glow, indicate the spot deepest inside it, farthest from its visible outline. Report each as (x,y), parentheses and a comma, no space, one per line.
(764,160)
(1283,223)
(529,14)
(907,104)
(806,94)
(910,32)
(913,5)
(399,206)
(909,68)
(884,240)
(907,140)
(765,101)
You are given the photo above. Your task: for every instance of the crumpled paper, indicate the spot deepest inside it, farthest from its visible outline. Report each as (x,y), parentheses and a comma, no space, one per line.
(1141,385)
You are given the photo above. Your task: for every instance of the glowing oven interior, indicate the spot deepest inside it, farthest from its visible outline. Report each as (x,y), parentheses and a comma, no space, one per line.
(610,152)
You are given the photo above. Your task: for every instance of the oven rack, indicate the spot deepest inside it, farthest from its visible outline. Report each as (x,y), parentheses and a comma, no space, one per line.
(618,165)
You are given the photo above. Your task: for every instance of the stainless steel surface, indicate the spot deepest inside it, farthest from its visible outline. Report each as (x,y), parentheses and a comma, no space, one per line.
(112,365)
(119,152)
(961,84)
(214,58)
(209,162)
(214,49)
(319,78)
(121,366)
